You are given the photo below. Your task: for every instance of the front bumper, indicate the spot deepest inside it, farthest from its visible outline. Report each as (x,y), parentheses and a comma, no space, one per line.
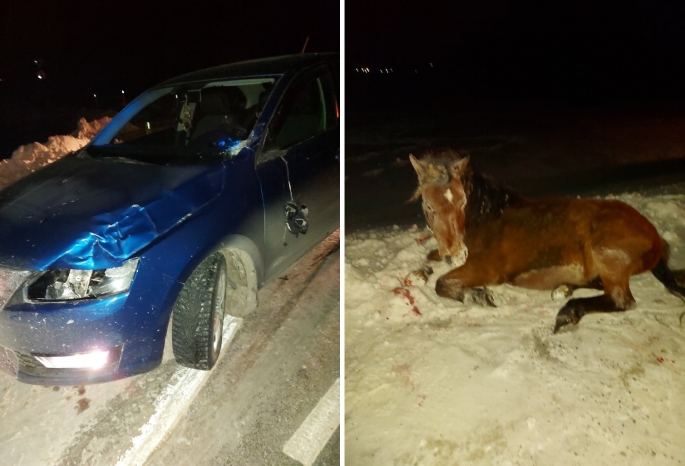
(131,326)
(29,368)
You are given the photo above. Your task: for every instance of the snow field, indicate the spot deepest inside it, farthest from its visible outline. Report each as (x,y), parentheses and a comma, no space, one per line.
(430,381)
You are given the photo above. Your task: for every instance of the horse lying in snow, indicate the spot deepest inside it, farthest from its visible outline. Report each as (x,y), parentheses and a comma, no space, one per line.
(498,236)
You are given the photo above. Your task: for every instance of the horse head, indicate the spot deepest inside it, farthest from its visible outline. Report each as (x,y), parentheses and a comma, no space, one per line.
(444,201)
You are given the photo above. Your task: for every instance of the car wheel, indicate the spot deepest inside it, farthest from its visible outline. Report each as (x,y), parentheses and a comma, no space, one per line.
(198,315)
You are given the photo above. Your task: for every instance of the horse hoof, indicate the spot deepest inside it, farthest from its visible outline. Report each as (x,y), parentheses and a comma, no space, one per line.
(483,297)
(490,298)
(563,319)
(560,323)
(561,293)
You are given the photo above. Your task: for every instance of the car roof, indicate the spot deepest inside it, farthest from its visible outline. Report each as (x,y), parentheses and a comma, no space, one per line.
(259,67)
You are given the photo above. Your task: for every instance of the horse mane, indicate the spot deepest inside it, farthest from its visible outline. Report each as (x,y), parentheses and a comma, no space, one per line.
(486,197)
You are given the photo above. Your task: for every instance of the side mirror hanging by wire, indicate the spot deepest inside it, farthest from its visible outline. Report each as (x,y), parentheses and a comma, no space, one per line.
(296,215)
(296,218)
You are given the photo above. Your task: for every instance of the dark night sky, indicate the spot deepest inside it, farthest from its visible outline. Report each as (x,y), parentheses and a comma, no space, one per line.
(622,49)
(397,31)
(95,46)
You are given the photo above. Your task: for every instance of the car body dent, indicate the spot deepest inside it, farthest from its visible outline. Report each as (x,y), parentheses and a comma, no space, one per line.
(97,217)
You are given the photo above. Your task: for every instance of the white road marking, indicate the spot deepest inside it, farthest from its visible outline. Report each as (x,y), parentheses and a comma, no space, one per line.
(185,384)
(306,444)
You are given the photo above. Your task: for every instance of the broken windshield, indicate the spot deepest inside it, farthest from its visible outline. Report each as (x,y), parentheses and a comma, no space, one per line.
(188,120)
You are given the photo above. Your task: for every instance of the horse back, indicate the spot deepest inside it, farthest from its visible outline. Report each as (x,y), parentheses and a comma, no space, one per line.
(568,233)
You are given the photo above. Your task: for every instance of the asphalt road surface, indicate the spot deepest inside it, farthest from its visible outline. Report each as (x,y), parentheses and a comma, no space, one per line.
(275,384)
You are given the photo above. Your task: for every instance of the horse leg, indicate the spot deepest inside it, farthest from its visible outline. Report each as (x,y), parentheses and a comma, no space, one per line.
(616,258)
(467,284)
(566,290)
(617,297)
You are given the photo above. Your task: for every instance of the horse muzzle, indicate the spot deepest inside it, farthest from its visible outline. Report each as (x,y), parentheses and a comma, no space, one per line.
(457,259)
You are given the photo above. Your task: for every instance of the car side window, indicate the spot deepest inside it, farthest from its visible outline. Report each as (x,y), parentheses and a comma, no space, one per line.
(308,108)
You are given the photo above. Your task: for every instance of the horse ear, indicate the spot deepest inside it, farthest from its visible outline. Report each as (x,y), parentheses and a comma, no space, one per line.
(459,167)
(418,167)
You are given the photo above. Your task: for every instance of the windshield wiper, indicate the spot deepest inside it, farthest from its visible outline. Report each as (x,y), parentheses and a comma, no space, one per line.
(123,159)
(100,154)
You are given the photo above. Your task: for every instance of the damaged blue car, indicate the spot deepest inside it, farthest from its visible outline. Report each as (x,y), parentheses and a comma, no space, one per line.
(197,193)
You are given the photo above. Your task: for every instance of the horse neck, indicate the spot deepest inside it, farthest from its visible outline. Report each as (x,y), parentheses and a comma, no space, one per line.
(486,198)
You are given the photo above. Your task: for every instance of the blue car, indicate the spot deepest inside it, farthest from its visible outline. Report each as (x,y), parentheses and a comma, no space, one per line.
(197,193)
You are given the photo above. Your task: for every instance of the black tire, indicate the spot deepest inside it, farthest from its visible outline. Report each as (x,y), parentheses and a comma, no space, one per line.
(198,315)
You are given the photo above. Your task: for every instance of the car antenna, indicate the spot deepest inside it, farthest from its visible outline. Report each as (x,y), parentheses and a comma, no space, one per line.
(305,45)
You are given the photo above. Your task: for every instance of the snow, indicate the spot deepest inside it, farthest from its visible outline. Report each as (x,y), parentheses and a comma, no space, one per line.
(430,381)
(30,157)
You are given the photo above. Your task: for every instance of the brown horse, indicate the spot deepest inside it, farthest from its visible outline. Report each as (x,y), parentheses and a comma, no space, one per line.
(498,236)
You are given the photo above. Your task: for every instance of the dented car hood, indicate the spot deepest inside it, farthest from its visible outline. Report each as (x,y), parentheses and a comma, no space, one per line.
(93,214)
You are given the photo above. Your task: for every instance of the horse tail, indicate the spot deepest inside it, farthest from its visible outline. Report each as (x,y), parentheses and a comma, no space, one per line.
(673,280)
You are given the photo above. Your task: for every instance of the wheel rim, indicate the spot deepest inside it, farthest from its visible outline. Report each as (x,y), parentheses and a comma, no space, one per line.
(218,321)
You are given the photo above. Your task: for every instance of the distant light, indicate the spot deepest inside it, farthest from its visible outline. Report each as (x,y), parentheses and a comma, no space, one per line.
(40,77)
(95,95)
(35,61)
(148,125)
(176,95)
(122,91)
(431,64)
(386,70)
(357,70)
(416,71)
(381,71)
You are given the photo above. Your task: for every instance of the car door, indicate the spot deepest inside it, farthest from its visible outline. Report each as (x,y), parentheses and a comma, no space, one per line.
(299,169)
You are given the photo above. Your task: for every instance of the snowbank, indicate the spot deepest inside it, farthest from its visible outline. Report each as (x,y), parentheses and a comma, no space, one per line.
(88,129)
(430,381)
(29,158)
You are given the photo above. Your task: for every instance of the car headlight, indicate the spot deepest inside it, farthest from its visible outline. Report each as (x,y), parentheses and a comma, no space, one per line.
(69,284)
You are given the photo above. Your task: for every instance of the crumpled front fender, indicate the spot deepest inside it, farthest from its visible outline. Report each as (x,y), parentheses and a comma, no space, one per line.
(91,214)
(111,238)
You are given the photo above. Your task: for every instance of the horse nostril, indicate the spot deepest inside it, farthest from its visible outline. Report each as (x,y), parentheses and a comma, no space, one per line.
(448,259)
